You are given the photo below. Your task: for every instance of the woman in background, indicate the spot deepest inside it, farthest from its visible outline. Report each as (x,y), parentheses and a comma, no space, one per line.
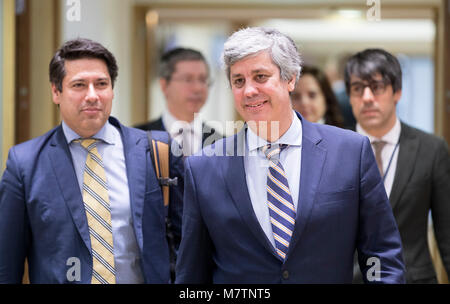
(314,98)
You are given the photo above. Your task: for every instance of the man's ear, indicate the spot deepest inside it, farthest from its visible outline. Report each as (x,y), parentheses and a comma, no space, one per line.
(397,96)
(55,94)
(291,83)
(163,83)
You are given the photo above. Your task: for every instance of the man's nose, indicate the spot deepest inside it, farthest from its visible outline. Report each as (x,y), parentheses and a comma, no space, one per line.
(367,95)
(91,94)
(250,89)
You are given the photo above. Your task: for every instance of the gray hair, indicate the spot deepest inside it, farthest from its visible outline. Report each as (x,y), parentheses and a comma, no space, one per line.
(252,40)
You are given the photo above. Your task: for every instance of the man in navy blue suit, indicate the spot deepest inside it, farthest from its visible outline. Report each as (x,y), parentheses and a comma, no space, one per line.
(82,203)
(283,200)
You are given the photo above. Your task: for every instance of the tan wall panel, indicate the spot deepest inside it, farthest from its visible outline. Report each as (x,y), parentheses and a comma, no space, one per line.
(8,78)
(42,49)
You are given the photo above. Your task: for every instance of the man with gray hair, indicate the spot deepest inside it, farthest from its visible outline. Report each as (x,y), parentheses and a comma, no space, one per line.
(290,201)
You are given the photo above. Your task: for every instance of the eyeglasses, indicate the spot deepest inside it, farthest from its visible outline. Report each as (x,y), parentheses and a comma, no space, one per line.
(377,88)
(188,80)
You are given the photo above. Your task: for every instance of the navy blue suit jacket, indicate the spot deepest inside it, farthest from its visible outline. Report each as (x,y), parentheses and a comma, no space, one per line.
(42,216)
(342,207)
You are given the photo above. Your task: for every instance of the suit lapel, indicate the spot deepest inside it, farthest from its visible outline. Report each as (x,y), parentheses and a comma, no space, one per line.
(313,159)
(409,146)
(62,164)
(134,149)
(234,174)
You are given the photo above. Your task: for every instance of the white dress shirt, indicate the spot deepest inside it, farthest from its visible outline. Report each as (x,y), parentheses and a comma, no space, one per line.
(110,147)
(190,139)
(256,167)
(392,139)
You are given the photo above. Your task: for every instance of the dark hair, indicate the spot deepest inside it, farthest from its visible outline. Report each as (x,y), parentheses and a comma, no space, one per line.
(369,62)
(78,49)
(332,114)
(170,59)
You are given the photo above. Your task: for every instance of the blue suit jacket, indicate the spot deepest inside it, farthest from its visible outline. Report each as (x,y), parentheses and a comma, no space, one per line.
(342,207)
(42,216)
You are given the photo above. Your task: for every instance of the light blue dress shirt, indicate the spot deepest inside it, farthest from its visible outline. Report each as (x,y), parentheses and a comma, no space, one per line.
(257,166)
(110,148)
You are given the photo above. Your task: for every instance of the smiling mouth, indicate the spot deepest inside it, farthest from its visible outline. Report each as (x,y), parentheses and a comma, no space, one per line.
(255,106)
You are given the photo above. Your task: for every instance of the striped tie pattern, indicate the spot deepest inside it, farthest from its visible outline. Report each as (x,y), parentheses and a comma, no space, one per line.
(98,213)
(279,200)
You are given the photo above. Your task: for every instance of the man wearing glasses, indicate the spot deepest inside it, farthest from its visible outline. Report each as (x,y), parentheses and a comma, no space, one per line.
(415,166)
(184,81)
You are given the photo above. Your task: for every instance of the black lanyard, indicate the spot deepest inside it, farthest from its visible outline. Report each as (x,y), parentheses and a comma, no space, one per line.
(390,161)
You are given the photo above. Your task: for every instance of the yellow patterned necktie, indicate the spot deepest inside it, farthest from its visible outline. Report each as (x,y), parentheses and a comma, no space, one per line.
(279,199)
(98,213)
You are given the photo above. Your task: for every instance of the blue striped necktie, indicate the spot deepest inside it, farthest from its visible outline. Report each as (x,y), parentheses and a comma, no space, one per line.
(98,213)
(279,200)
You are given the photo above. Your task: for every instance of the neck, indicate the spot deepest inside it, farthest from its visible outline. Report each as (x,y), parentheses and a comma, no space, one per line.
(379,132)
(270,131)
(188,117)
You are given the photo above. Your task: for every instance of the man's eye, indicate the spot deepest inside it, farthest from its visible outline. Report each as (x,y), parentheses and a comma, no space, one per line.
(377,87)
(78,85)
(357,88)
(102,84)
(261,77)
(239,82)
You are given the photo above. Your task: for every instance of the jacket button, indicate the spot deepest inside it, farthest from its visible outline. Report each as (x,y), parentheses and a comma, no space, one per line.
(285,274)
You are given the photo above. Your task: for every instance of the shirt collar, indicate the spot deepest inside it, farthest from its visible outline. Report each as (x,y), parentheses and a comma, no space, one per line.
(169,122)
(390,137)
(105,134)
(321,121)
(292,137)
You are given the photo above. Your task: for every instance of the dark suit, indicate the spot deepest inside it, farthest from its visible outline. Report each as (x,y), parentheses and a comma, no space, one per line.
(342,206)
(42,216)
(421,184)
(209,135)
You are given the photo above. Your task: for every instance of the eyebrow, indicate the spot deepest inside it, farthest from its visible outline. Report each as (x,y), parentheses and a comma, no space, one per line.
(257,71)
(365,81)
(84,79)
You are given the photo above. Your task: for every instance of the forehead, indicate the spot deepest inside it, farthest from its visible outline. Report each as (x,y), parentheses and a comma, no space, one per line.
(308,80)
(253,64)
(85,67)
(191,66)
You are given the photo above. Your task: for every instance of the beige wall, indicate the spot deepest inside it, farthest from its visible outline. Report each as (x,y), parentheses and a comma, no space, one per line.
(7,104)
(42,114)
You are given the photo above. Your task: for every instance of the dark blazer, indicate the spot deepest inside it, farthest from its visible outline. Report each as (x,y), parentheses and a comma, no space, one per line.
(209,135)
(342,207)
(421,184)
(42,216)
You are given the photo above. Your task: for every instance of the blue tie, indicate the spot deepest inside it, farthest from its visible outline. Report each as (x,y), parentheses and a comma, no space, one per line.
(279,200)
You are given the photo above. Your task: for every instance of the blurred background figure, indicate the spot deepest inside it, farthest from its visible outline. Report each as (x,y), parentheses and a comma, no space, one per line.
(414,165)
(314,98)
(184,81)
(335,74)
